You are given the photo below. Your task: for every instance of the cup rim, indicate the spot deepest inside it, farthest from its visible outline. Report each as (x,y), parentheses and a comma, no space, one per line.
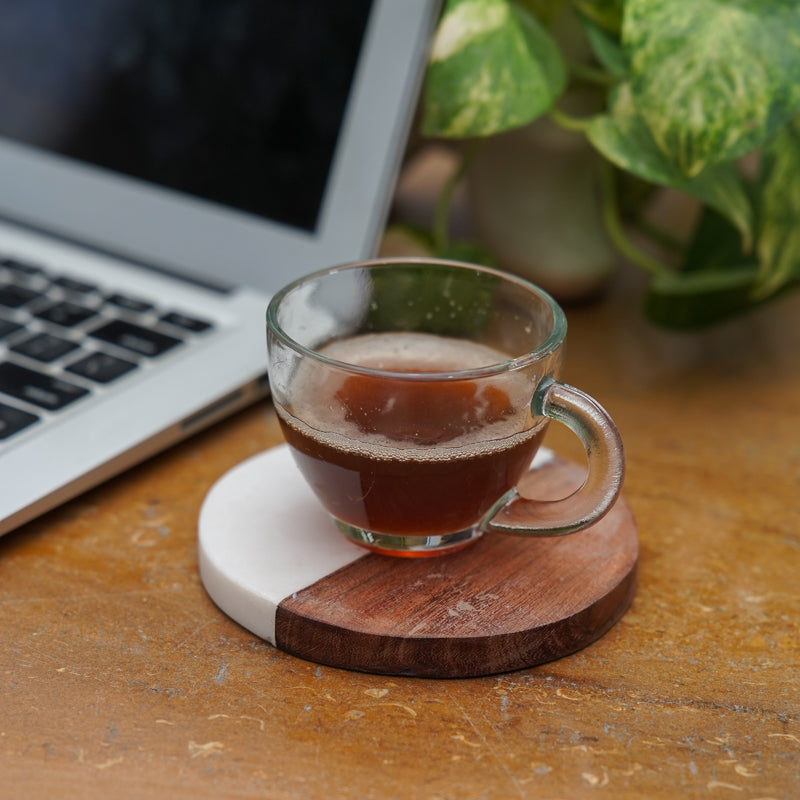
(546,348)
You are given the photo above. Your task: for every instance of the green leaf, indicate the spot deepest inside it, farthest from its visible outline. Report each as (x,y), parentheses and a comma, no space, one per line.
(544,10)
(779,235)
(713,79)
(714,245)
(606,14)
(606,49)
(699,299)
(624,139)
(712,285)
(492,67)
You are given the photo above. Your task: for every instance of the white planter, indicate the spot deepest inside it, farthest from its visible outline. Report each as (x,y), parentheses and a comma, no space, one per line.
(534,199)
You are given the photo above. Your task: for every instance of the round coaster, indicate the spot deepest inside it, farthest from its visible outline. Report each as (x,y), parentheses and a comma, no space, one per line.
(272,559)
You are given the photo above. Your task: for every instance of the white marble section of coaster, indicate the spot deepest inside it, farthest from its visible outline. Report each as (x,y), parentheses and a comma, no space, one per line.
(262,536)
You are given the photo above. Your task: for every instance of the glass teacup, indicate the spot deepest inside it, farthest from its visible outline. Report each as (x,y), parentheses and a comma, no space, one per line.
(414,394)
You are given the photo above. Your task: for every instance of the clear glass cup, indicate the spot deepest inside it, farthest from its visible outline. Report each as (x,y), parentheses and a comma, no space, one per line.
(414,394)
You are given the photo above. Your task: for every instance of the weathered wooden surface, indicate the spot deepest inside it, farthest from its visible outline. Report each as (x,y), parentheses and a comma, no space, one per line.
(119,677)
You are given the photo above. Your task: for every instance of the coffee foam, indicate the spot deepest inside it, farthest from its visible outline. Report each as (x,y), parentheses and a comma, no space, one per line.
(413,352)
(317,412)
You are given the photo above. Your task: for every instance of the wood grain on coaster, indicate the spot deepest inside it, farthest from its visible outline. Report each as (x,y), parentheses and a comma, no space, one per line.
(501,604)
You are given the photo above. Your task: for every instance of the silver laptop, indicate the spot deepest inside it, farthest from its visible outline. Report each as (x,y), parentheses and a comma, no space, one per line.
(165,165)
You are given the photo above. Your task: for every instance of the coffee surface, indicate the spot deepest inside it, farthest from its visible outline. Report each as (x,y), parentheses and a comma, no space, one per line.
(407,409)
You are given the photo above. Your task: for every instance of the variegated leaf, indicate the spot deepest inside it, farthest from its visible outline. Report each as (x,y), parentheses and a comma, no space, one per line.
(779,234)
(492,67)
(713,79)
(624,139)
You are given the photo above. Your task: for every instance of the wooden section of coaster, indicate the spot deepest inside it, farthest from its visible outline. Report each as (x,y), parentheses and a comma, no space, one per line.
(503,603)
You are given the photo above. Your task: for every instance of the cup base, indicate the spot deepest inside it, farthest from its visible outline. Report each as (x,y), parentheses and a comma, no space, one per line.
(408,546)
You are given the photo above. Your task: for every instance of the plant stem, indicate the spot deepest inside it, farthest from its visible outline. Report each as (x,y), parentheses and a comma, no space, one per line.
(616,231)
(589,74)
(567,122)
(441,219)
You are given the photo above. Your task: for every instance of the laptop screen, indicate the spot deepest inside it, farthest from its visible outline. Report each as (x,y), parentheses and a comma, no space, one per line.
(239,102)
(233,142)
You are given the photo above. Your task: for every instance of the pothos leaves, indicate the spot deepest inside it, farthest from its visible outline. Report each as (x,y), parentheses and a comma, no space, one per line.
(779,235)
(713,79)
(493,66)
(625,140)
(716,281)
(697,85)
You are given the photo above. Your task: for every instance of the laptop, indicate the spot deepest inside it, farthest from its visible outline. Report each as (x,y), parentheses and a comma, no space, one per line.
(165,166)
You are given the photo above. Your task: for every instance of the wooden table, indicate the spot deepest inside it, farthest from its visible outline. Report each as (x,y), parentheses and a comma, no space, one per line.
(120,678)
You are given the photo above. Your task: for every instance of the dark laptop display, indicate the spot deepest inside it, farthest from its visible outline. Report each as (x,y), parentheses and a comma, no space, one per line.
(234,101)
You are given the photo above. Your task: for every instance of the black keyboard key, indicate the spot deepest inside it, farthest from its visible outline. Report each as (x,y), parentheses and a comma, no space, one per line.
(21,267)
(44,347)
(14,296)
(127,303)
(144,341)
(66,314)
(101,367)
(187,323)
(74,285)
(13,420)
(37,388)
(7,327)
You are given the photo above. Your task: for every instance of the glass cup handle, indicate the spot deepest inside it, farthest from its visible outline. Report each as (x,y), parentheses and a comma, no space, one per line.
(520,516)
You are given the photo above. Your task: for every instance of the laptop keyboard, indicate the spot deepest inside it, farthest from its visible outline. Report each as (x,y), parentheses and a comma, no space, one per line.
(62,339)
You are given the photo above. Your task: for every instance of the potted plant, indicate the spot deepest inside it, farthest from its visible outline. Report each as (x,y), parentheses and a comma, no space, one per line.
(569,115)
